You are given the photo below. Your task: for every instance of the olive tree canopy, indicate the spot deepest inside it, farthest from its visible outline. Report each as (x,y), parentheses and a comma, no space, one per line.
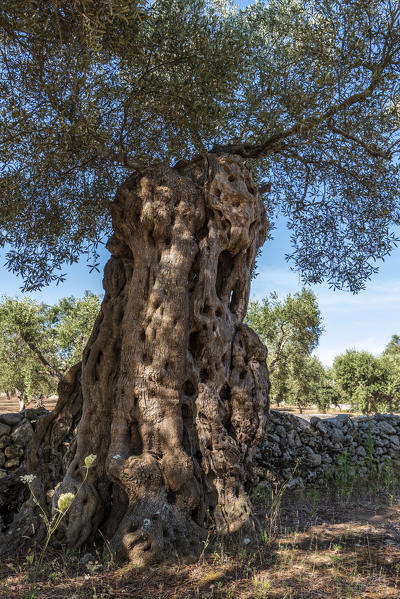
(306,91)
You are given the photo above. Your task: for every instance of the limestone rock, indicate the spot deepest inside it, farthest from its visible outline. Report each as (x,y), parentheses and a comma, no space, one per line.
(23,433)
(387,428)
(11,419)
(13,463)
(4,429)
(4,441)
(13,451)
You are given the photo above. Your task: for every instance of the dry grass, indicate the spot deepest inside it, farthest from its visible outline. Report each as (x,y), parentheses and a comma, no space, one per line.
(311,544)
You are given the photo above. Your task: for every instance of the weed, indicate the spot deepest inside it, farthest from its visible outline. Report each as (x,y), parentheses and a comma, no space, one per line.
(261,588)
(64,503)
(272,515)
(345,475)
(55,576)
(314,497)
(388,474)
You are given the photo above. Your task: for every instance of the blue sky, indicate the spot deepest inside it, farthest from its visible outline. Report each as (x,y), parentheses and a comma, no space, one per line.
(363,321)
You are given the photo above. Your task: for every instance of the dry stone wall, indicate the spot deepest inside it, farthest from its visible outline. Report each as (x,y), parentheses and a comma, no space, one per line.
(294,450)
(305,453)
(16,430)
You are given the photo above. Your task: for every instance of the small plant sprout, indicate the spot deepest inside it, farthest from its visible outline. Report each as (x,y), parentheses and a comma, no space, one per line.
(64,503)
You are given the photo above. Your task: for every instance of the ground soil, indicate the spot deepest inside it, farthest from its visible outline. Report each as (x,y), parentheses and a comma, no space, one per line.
(334,543)
(11,405)
(312,411)
(311,543)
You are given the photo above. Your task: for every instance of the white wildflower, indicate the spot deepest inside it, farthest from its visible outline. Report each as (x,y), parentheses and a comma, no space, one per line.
(27,478)
(146,522)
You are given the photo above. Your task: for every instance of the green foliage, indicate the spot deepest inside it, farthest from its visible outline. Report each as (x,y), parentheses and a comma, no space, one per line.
(344,475)
(328,393)
(39,342)
(72,322)
(306,91)
(305,380)
(393,347)
(361,379)
(390,365)
(291,330)
(22,324)
(294,322)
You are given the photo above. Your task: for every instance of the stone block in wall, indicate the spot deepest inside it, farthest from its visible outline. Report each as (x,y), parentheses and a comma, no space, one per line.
(287,458)
(11,419)
(316,446)
(280,431)
(33,414)
(275,450)
(318,424)
(273,438)
(326,459)
(311,458)
(11,464)
(23,433)
(4,441)
(5,429)
(13,451)
(295,483)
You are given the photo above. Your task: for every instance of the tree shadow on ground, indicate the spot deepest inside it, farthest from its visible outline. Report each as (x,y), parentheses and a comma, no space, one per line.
(312,549)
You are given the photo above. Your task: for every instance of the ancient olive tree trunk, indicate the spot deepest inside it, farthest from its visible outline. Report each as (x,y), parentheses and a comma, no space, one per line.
(174,385)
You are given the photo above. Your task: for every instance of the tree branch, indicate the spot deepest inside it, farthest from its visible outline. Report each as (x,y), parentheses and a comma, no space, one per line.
(57,376)
(279,348)
(376,153)
(121,157)
(272,144)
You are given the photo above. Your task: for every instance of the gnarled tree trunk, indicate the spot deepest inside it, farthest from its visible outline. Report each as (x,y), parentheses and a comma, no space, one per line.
(174,386)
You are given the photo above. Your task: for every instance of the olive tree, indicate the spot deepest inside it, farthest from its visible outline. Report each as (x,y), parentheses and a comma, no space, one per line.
(361,379)
(204,120)
(38,343)
(291,329)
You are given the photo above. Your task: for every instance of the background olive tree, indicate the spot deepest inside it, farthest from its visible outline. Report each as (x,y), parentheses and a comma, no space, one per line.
(291,329)
(39,342)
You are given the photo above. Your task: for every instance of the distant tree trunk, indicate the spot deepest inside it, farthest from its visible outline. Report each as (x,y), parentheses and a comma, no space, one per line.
(174,386)
(20,397)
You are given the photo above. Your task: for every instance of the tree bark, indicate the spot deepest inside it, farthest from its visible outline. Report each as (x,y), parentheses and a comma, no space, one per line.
(174,387)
